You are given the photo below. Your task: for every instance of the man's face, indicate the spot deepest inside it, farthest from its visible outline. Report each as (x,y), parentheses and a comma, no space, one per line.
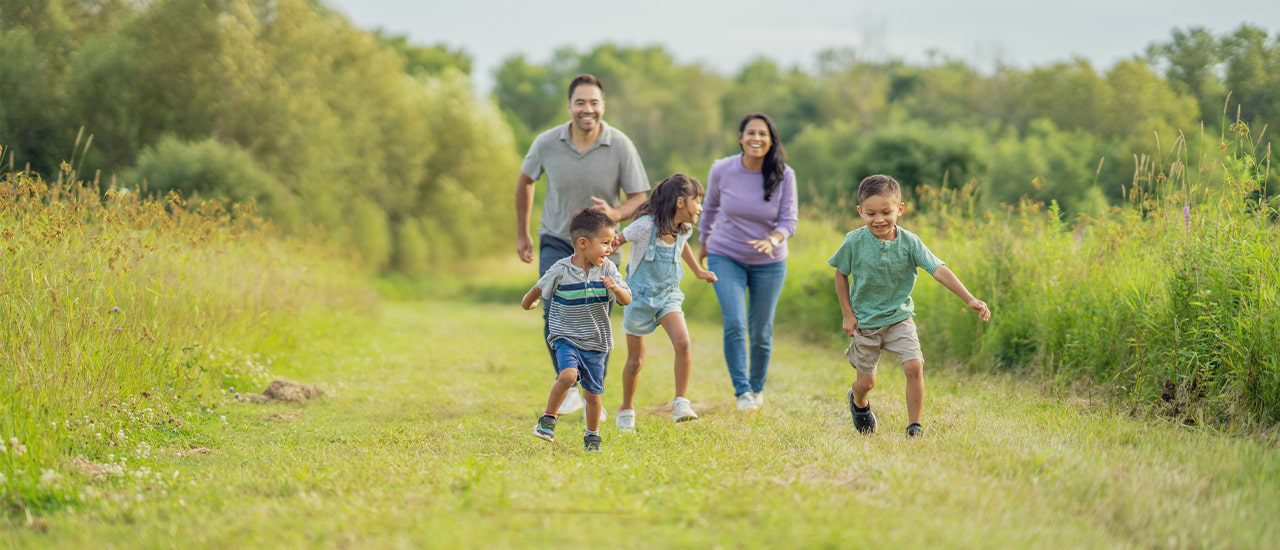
(586,107)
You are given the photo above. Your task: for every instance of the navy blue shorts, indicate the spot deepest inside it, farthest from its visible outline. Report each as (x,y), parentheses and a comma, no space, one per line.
(590,365)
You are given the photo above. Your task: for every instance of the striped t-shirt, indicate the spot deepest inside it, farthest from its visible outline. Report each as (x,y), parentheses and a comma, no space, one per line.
(578,304)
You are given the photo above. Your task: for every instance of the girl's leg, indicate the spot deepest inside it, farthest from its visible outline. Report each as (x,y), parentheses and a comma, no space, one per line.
(731,292)
(914,371)
(861,387)
(635,360)
(566,380)
(764,283)
(679,332)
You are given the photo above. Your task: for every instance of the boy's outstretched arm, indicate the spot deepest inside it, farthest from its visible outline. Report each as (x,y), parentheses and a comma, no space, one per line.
(850,323)
(619,292)
(531,298)
(692,262)
(948,279)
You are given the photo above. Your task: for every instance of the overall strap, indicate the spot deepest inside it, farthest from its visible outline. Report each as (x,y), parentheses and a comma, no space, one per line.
(651,252)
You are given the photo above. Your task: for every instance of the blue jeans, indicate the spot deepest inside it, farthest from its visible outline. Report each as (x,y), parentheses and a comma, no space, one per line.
(748,296)
(550,251)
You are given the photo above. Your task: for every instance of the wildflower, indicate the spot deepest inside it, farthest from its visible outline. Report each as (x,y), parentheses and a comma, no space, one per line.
(143,450)
(1186,218)
(115,309)
(18,448)
(49,477)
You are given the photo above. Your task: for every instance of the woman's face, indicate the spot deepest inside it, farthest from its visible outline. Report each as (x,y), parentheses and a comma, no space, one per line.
(755,139)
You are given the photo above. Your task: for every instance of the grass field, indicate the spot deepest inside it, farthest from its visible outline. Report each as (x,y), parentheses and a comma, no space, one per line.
(425,440)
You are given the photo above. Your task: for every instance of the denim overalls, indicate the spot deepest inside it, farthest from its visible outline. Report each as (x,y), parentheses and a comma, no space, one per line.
(655,285)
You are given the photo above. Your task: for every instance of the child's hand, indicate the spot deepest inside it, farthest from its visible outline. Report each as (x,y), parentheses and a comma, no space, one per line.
(708,276)
(850,326)
(609,283)
(980,306)
(533,304)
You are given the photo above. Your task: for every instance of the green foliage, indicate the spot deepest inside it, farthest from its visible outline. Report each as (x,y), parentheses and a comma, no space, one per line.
(426,60)
(211,170)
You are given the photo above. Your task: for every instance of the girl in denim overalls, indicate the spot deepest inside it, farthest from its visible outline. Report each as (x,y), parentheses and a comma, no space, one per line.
(659,237)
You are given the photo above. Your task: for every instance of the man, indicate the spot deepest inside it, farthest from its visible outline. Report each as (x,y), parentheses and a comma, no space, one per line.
(588,164)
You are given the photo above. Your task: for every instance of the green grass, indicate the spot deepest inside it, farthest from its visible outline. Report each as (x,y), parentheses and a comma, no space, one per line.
(425,442)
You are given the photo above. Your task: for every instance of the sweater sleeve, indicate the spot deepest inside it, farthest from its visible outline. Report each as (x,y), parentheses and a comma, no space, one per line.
(710,206)
(788,210)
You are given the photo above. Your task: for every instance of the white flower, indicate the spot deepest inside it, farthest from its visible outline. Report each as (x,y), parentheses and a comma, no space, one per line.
(143,450)
(18,448)
(49,477)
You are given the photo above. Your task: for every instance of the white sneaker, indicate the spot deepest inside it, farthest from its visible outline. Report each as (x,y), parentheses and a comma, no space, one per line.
(627,420)
(572,402)
(758,397)
(746,402)
(682,410)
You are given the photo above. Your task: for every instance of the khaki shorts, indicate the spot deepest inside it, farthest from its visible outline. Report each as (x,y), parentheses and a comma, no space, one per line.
(899,339)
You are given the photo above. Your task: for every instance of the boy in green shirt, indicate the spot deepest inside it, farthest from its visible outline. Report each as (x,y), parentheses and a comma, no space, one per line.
(882,259)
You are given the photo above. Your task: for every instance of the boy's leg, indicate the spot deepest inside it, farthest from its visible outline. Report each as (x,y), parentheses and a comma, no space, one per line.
(764,283)
(679,332)
(731,292)
(914,371)
(567,378)
(594,405)
(635,360)
(862,386)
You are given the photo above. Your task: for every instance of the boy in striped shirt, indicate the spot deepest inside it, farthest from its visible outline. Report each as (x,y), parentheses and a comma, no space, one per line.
(579,291)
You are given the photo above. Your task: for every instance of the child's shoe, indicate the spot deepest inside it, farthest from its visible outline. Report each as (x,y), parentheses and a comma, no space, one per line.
(863,419)
(758,397)
(746,402)
(546,428)
(915,430)
(682,410)
(591,443)
(572,402)
(627,420)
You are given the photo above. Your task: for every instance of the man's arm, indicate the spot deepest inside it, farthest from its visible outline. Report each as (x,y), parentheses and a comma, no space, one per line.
(624,210)
(850,323)
(948,279)
(524,211)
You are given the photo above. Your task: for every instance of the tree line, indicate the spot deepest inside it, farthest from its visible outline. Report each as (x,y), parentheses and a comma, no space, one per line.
(384,144)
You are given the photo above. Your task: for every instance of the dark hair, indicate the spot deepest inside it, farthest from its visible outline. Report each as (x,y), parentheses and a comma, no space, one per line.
(589,222)
(584,79)
(878,184)
(662,202)
(775,161)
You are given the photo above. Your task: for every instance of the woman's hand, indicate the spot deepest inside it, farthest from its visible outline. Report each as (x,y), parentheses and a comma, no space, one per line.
(764,246)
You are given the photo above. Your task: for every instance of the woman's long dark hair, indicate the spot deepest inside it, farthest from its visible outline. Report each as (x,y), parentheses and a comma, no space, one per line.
(663,199)
(775,161)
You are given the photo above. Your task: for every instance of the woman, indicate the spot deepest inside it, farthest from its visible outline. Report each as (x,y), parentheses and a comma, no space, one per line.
(748,215)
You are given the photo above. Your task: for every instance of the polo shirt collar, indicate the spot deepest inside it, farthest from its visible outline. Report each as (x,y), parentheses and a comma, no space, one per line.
(605,137)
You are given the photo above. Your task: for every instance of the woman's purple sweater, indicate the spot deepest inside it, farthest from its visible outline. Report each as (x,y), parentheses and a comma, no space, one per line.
(735,212)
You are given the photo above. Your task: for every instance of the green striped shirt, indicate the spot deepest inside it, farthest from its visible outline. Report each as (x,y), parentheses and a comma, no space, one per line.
(882,274)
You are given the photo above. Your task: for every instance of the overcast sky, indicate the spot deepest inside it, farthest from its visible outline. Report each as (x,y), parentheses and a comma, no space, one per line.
(724,34)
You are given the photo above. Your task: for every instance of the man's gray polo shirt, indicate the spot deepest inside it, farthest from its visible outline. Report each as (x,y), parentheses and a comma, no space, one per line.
(610,165)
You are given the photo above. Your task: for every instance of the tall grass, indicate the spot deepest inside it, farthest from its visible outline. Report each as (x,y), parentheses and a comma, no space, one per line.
(1171,300)
(120,316)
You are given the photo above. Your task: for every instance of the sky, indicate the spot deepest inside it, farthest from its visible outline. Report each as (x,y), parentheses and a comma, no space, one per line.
(724,34)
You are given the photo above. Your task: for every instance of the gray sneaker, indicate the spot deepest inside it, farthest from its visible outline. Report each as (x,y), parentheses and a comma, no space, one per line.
(864,421)
(591,443)
(915,430)
(546,428)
